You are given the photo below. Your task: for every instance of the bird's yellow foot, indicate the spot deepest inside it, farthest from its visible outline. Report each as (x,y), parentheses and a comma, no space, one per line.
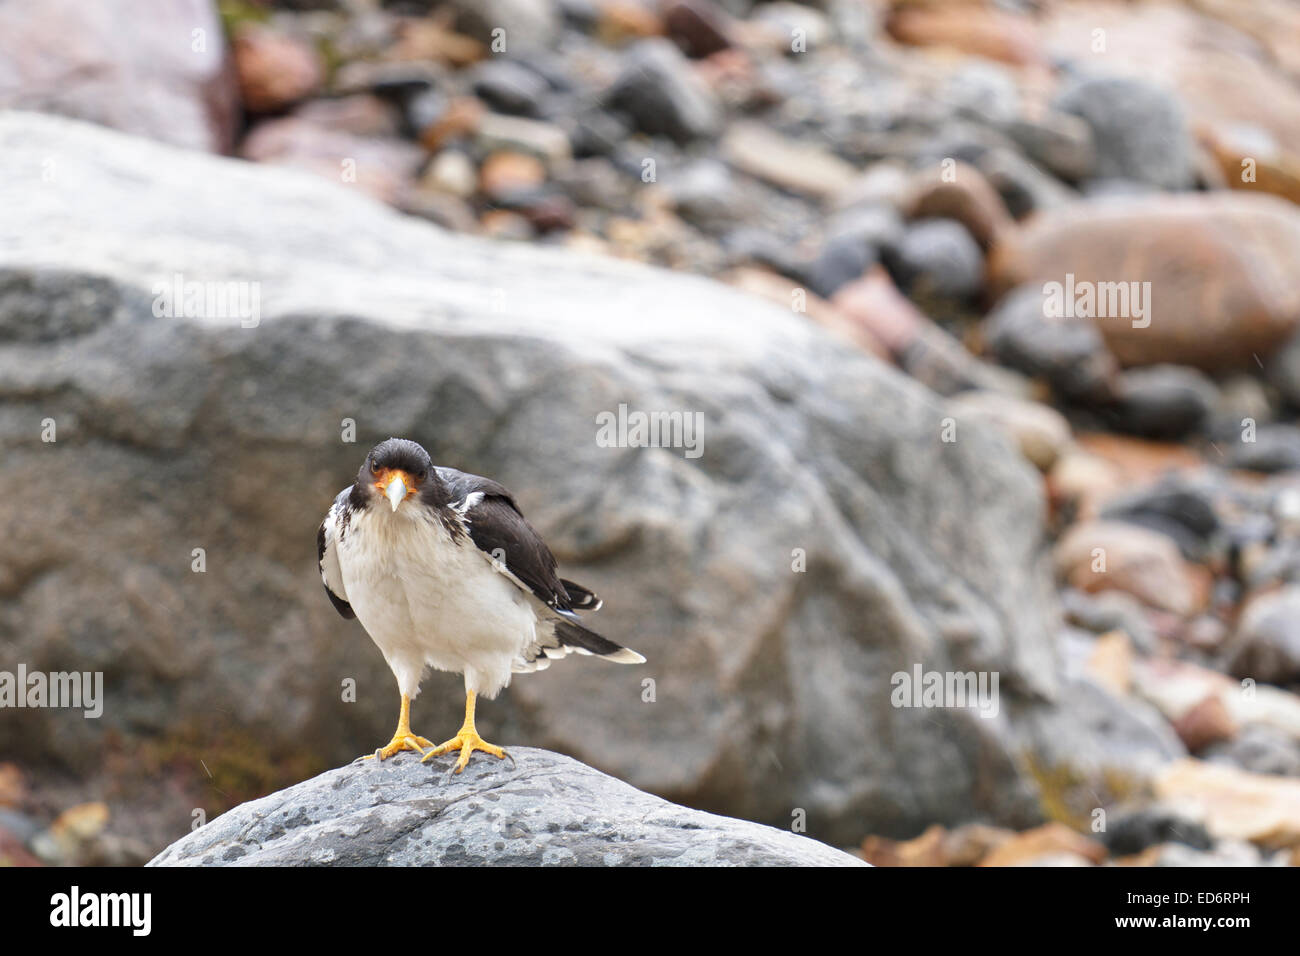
(399,743)
(466,741)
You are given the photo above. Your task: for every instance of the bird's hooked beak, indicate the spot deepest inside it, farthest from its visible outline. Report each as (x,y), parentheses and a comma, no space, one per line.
(395,490)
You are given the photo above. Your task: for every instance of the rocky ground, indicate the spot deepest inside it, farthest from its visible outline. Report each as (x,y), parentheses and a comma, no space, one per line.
(910,177)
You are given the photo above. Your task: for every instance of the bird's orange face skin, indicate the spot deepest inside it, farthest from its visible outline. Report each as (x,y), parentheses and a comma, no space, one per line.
(385,476)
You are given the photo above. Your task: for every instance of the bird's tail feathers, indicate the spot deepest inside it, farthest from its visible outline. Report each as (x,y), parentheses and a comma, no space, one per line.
(587,641)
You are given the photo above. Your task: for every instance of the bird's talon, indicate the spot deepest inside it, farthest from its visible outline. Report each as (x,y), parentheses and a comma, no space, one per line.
(466,741)
(399,743)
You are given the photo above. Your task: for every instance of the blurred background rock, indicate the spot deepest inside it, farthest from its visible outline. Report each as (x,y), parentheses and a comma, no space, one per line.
(871,196)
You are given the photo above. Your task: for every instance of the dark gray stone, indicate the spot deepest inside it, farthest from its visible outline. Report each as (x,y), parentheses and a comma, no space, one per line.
(661,94)
(1175,508)
(509,87)
(1163,401)
(1275,448)
(1132,831)
(938,259)
(1068,353)
(843,259)
(1283,371)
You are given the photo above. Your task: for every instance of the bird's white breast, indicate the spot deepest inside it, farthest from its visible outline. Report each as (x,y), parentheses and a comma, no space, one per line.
(428,599)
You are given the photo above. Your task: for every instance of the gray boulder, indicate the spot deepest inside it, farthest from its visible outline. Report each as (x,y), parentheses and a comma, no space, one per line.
(826,538)
(543,809)
(166,75)
(1140,130)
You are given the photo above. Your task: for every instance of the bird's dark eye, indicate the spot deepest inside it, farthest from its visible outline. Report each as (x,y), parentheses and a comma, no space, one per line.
(374,467)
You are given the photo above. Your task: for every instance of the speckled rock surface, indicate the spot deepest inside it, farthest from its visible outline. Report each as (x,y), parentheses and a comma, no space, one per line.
(544,810)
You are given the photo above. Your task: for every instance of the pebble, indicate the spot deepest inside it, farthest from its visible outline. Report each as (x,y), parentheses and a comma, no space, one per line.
(662,95)
(1139,130)
(938,259)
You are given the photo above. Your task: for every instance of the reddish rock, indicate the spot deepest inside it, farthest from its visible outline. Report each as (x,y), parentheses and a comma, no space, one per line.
(981,31)
(504,173)
(1205,723)
(965,846)
(461,118)
(1221,269)
(921,347)
(971,843)
(13,788)
(1103,555)
(1252,166)
(965,196)
(875,303)
(925,850)
(1046,840)
(275,69)
(699,27)
(13,852)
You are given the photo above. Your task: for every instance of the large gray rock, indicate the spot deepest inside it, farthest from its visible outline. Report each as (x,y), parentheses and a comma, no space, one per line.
(767,689)
(166,75)
(543,810)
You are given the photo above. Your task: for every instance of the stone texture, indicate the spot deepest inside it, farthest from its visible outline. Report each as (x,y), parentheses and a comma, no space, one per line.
(544,809)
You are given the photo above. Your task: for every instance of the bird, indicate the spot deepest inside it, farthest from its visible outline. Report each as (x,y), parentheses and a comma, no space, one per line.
(443,571)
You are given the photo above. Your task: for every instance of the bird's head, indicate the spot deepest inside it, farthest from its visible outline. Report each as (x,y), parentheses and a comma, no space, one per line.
(395,470)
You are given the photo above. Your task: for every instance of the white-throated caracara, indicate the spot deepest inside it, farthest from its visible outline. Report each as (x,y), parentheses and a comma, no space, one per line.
(442,571)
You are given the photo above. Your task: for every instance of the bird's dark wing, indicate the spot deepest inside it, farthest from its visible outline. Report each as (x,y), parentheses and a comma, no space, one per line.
(327,555)
(498,529)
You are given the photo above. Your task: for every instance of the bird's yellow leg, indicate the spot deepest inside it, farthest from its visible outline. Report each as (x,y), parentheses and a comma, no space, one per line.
(403,739)
(466,740)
